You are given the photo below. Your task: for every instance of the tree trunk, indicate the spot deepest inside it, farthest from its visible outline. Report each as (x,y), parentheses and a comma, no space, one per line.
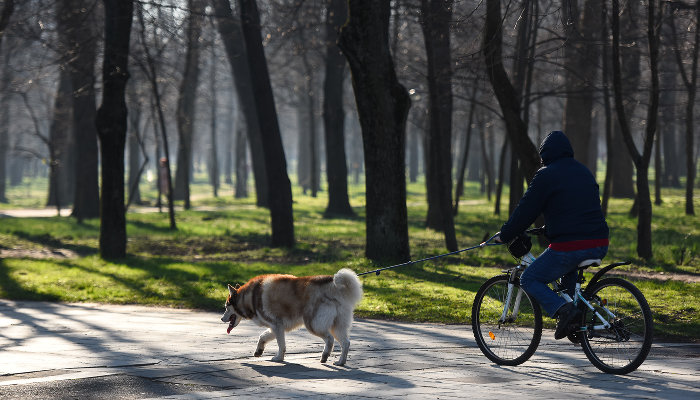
(623,169)
(488,166)
(5,14)
(303,146)
(413,163)
(231,134)
(164,162)
(690,83)
(112,125)
(7,10)
(607,108)
(581,50)
(507,97)
(459,191)
(61,145)
(4,128)
(501,176)
(213,163)
(334,115)
(641,160)
(186,102)
(279,187)
(134,155)
(382,104)
(241,165)
(436,17)
(76,18)
(232,36)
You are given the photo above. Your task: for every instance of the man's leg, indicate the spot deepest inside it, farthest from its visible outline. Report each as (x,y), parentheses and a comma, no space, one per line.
(548,267)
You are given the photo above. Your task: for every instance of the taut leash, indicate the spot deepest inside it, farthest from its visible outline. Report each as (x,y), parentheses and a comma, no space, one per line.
(484,244)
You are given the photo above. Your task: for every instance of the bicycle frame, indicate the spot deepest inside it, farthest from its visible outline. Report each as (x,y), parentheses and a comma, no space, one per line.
(578,295)
(525,262)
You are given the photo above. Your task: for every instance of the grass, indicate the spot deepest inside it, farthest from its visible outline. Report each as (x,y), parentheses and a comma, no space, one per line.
(228,244)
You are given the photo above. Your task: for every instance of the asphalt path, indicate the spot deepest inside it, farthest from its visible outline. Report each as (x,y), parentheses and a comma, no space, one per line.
(96,351)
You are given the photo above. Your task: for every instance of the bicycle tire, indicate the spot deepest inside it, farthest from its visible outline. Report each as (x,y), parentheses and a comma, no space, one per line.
(512,342)
(622,348)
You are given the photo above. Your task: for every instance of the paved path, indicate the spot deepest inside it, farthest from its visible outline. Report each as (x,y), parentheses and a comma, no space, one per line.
(92,351)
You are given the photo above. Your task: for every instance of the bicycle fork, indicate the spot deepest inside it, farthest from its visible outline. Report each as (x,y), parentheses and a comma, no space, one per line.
(506,304)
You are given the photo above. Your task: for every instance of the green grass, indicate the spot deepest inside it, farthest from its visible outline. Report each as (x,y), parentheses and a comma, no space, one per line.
(228,244)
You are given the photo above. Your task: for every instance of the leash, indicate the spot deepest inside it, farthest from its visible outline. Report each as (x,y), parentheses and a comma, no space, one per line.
(485,243)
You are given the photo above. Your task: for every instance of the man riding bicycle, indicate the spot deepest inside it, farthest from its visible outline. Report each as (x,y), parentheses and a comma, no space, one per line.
(566,193)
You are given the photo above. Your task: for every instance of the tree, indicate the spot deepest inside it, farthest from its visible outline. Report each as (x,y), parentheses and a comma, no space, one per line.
(581,48)
(112,125)
(149,69)
(213,163)
(61,143)
(232,36)
(630,55)
(382,104)
(334,115)
(691,84)
(641,160)
(186,102)
(465,152)
(75,19)
(436,17)
(279,186)
(506,93)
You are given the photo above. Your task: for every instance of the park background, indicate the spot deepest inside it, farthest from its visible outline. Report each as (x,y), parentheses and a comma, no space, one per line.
(282,158)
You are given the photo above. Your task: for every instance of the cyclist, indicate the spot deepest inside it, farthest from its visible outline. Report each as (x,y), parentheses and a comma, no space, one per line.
(566,193)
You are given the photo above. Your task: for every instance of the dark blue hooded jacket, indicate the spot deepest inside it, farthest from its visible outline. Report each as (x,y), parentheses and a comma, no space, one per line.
(565,191)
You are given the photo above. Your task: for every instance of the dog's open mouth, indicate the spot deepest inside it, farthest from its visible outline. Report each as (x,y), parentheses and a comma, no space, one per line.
(231,323)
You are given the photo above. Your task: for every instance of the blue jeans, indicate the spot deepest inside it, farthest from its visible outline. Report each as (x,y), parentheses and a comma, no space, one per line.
(550,266)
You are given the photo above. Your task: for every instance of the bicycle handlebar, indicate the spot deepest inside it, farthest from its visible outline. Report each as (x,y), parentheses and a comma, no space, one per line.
(536,231)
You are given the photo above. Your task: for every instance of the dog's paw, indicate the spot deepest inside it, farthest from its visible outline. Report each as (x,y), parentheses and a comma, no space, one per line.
(339,363)
(277,359)
(258,352)
(324,359)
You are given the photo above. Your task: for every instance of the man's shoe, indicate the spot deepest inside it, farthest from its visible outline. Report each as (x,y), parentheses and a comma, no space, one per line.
(567,314)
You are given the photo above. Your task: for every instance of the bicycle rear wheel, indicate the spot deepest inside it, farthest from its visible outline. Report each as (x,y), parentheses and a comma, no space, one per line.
(624,346)
(509,341)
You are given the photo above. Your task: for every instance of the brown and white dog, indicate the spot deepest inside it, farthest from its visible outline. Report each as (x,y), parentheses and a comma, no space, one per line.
(324,304)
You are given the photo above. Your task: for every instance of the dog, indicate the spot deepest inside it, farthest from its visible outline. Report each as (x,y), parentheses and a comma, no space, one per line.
(324,304)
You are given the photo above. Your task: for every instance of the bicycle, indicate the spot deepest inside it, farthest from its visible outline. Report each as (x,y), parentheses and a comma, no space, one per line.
(615,329)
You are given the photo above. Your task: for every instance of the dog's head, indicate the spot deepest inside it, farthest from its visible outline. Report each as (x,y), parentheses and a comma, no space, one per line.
(230,314)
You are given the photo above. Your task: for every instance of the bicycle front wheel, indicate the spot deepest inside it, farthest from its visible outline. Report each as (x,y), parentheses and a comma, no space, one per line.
(624,345)
(507,337)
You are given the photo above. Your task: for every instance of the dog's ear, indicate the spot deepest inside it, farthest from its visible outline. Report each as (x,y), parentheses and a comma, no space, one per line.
(231,290)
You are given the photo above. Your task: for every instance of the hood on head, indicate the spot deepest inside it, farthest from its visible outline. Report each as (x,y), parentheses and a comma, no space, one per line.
(555,146)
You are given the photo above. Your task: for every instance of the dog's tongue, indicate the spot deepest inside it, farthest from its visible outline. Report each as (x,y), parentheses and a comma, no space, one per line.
(230,324)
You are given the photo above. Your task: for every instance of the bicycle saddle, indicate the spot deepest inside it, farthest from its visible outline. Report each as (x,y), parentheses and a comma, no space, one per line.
(593,262)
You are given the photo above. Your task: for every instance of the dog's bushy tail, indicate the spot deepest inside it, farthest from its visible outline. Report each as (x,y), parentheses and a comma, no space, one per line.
(348,284)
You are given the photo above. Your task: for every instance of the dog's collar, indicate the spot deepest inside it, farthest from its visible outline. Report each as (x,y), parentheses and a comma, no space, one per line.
(235,306)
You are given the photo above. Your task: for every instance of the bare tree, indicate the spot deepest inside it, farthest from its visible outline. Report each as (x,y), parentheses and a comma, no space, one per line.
(75,18)
(334,115)
(691,84)
(506,94)
(641,160)
(279,186)
(232,36)
(382,104)
(149,69)
(582,30)
(112,126)
(186,102)
(436,17)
